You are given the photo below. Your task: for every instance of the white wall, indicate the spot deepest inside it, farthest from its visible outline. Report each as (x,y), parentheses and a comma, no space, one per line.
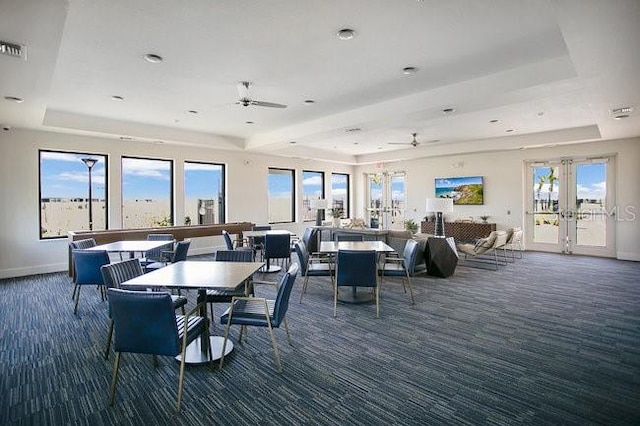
(22,253)
(504,184)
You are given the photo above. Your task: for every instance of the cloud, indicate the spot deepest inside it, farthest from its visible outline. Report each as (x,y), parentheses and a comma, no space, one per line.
(595,191)
(155,169)
(314,180)
(189,167)
(81,177)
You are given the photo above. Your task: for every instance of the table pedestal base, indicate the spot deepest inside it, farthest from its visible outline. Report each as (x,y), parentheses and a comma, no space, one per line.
(356,298)
(195,356)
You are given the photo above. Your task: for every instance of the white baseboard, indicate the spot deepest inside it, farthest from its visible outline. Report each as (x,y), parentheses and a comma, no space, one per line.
(33,270)
(628,256)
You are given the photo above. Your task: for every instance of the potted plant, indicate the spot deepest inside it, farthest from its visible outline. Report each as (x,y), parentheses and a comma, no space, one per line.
(336,214)
(411,225)
(484,218)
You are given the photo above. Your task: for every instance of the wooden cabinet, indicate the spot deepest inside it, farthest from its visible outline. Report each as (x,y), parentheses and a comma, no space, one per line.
(461,231)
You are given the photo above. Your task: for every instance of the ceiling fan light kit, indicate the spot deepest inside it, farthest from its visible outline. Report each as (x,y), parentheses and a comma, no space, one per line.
(246,99)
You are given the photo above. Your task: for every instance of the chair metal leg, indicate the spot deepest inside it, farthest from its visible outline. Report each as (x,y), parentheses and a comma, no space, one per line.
(75,307)
(286,327)
(75,289)
(410,288)
(377,290)
(304,287)
(109,337)
(226,334)
(114,378)
(273,338)
(335,300)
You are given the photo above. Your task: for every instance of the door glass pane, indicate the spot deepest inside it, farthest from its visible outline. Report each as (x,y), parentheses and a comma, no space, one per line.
(398,201)
(375,199)
(545,205)
(591,209)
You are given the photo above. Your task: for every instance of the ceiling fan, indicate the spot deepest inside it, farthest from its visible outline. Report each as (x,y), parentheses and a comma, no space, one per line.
(414,143)
(246,100)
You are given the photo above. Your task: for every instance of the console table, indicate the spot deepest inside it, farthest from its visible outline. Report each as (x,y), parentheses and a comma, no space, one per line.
(461,231)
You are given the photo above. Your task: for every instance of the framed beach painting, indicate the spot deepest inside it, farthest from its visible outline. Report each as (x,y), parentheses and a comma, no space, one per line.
(464,190)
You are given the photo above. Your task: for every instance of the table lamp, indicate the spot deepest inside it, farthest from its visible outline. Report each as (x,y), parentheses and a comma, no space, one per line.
(319,204)
(439,205)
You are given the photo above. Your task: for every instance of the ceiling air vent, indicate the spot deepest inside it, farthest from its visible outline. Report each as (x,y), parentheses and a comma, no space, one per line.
(12,49)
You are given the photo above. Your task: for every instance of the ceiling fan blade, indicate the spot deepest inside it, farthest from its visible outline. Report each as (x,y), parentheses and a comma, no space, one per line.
(267,104)
(399,143)
(243,90)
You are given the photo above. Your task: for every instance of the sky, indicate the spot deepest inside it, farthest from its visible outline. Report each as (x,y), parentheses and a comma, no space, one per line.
(590,180)
(64,175)
(451,182)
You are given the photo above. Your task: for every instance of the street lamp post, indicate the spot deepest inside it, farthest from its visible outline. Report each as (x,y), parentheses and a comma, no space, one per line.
(90,162)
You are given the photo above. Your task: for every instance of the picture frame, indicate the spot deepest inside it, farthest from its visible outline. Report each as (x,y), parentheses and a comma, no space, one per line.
(466,190)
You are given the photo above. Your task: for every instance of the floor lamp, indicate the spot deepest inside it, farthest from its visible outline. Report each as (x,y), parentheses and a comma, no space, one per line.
(439,206)
(319,205)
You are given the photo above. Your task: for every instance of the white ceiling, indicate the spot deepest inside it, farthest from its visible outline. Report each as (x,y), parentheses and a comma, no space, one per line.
(550,68)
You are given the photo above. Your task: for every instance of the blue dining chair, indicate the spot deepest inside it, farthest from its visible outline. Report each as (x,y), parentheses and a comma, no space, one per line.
(349,237)
(277,246)
(155,255)
(146,323)
(261,312)
(404,266)
(178,254)
(222,295)
(115,274)
(79,245)
(86,264)
(311,266)
(356,268)
(258,242)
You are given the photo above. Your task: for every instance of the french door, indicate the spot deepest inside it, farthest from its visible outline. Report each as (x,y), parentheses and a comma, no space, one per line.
(386,193)
(571,206)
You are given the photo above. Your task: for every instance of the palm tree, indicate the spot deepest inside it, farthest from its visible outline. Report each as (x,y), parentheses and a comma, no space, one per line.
(551,179)
(541,181)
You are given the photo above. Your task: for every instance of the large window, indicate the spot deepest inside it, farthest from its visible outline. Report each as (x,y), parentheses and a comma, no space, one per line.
(204,191)
(281,195)
(340,192)
(65,204)
(147,193)
(312,189)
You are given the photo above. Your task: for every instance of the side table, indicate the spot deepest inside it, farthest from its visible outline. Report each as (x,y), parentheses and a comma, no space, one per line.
(441,256)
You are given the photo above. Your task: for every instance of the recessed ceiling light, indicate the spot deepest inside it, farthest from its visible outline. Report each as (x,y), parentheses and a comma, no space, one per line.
(353,129)
(292,142)
(509,130)
(409,70)
(623,110)
(494,121)
(14,99)
(356,143)
(309,101)
(248,122)
(621,116)
(541,113)
(449,110)
(117,98)
(346,34)
(193,111)
(153,58)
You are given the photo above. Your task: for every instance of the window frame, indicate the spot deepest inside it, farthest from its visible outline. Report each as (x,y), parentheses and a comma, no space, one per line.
(171,188)
(223,183)
(292,172)
(347,208)
(106,189)
(322,196)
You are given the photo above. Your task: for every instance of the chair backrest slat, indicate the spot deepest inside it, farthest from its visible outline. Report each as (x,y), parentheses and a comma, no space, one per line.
(83,244)
(234,256)
(115,274)
(410,255)
(349,237)
(181,251)
(156,254)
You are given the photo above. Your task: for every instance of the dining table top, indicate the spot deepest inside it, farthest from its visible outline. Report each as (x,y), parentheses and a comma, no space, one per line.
(190,274)
(334,246)
(132,246)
